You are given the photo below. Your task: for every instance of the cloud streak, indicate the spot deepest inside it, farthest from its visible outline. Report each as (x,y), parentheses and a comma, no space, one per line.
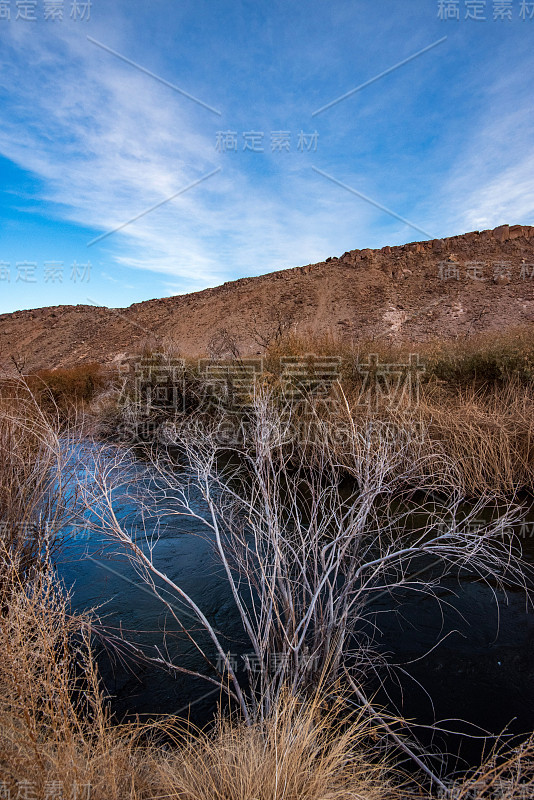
(106,141)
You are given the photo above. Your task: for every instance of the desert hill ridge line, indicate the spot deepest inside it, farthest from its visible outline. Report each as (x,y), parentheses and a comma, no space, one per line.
(447,288)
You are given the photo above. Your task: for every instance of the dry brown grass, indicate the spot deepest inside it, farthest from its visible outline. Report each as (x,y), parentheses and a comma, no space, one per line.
(57,737)
(506,774)
(485,437)
(33,475)
(299,753)
(53,722)
(481,358)
(55,730)
(67,390)
(488,435)
(474,405)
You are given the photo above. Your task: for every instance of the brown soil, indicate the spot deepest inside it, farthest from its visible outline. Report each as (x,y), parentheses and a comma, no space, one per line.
(445,288)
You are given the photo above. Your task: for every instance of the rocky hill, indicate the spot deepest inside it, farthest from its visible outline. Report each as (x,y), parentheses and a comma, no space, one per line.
(442,288)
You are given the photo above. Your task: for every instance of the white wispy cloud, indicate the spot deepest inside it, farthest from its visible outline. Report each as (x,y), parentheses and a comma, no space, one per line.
(490,177)
(108,142)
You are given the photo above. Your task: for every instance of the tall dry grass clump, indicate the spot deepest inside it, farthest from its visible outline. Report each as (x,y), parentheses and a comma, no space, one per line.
(301,752)
(485,436)
(54,731)
(57,738)
(37,475)
(67,391)
(488,434)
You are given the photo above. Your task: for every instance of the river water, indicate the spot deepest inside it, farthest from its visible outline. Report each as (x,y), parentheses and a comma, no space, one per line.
(483,671)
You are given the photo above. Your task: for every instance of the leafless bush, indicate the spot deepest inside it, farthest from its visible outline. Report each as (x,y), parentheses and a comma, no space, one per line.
(303,556)
(223,344)
(57,737)
(274,327)
(507,773)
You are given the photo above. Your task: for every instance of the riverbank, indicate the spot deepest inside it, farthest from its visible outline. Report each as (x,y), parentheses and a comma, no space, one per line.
(57,735)
(468,403)
(397,428)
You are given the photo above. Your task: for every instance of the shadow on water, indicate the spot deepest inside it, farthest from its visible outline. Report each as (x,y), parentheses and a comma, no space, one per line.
(102,577)
(482,672)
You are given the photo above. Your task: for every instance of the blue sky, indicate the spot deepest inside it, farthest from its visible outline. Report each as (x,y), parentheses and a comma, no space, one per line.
(89,141)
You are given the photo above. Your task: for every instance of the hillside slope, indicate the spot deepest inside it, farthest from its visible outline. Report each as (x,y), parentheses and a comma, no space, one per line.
(446,287)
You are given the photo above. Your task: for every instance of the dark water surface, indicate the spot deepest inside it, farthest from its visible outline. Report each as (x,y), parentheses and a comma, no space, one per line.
(483,671)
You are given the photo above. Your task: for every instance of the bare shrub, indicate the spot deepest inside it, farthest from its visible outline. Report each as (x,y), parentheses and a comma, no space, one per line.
(305,558)
(507,773)
(57,737)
